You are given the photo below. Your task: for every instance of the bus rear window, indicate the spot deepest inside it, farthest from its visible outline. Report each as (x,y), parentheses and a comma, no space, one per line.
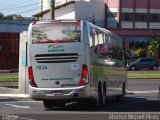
(55,32)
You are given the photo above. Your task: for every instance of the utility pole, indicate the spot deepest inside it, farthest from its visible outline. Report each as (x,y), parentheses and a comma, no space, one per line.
(41,7)
(93,20)
(52,9)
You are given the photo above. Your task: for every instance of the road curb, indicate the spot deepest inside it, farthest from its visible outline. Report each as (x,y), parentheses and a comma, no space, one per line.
(143,78)
(142,92)
(9,71)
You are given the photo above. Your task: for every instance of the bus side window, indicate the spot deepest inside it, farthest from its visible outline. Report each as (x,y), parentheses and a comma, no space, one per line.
(91,41)
(108,43)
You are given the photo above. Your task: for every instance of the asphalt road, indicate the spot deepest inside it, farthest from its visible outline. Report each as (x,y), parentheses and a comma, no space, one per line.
(142,98)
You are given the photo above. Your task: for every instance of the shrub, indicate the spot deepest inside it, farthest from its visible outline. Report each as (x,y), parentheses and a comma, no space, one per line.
(140,53)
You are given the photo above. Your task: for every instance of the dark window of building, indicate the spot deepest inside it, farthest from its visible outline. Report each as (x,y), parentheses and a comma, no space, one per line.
(140,17)
(139,42)
(127,17)
(112,14)
(154,17)
(136,43)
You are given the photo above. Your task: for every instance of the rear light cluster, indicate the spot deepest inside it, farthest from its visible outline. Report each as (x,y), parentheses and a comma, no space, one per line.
(31,77)
(84,76)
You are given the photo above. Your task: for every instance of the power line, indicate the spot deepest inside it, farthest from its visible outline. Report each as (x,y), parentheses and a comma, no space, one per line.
(23,8)
(30,10)
(26,11)
(8,5)
(15,8)
(26,1)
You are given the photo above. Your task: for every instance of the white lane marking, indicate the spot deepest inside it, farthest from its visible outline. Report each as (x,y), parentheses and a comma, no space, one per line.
(25,118)
(17,106)
(142,92)
(15,95)
(14,117)
(15,102)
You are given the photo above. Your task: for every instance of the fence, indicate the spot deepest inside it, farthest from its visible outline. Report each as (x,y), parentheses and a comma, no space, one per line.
(9,45)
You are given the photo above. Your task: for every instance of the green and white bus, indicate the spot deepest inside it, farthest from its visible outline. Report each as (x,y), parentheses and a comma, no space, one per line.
(74,60)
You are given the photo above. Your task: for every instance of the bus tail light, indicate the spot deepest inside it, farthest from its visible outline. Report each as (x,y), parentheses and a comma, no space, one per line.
(31,77)
(84,76)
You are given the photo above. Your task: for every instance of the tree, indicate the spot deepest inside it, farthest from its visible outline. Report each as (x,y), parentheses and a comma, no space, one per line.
(15,17)
(153,47)
(1,16)
(8,17)
(140,53)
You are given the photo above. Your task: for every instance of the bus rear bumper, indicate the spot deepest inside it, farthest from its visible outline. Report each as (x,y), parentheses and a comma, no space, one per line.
(59,93)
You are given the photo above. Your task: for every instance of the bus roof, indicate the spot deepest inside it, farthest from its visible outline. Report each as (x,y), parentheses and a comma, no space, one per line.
(55,21)
(104,30)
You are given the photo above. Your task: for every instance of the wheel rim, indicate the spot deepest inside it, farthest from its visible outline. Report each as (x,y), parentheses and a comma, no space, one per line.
(104,99)
(133,68)
(154,67)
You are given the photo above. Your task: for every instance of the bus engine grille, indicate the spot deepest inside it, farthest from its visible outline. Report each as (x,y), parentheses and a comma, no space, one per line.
(56,58)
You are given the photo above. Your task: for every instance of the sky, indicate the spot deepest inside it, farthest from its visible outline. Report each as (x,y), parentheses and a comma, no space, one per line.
(25,8)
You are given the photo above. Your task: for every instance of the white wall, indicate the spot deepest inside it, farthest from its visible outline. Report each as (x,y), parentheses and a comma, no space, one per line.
(141,25)
(86,10)
(127,10)
(66,12)
(127,24)
(44,5)
(59,2)
(47,16)
(138,10)
(154,10)
(82,10)
(154,25)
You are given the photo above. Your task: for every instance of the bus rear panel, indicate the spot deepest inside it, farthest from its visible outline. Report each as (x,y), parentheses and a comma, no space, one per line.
(56,60)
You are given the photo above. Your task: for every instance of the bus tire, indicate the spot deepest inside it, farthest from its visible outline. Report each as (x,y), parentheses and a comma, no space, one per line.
(104,93)
(99,96)
(124,89)
(47,104)
(53,103)
(121,97)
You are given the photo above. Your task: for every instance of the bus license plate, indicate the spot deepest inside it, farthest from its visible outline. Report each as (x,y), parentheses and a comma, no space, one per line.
(57,93)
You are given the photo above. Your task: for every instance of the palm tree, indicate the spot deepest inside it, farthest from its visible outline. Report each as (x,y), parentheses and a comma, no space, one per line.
(153,47)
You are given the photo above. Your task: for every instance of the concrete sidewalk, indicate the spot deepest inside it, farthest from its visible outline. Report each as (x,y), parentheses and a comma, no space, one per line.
(11,93)
(5,90)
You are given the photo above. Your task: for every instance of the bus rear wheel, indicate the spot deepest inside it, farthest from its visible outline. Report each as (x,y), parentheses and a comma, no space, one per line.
(121,97)
(48,104)
(99,101)
(104,93)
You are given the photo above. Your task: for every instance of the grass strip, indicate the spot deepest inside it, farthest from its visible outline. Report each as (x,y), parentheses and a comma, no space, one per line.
(143,76)
(8,79)
(130,76)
